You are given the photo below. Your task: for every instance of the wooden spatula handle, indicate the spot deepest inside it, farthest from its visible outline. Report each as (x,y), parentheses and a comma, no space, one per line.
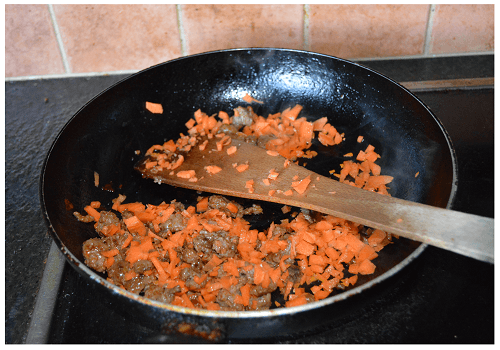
(462,233)
(466,234)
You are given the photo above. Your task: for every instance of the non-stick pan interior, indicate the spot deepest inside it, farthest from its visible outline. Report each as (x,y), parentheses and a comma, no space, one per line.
(105,134)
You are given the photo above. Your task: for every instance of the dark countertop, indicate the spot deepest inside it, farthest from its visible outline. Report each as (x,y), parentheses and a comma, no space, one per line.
(36,110)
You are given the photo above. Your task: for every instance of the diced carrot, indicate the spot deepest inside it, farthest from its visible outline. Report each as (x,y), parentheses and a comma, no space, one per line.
(231,150)
(117,201)
(153,235)
(304,248)
(200,279)
(92,212)
(249,186)
(369,148)
(319,293)
(135,253)
(129,275)
(325,139)
(300,300)
(155,108)
(249,99)
(110,230)
(110,253)
(232,207)
(231,268)
(224,117)
(374,168)
(135,225)
(165,214)
(187,301)
(132,207)
(245,294)
(376,181)
(333,254)
(361,156)
(273,174)
(177,163)
(212,169)
(213,306)
(291,113)
(355,243)
(223,142)
(376,237)
(202,205)
(203,145)
(110,261)
(353,279)
(169,146)
(323,225)
(127,241)
(301,186)
(159,268)
(186,174)
(371,156)
(259,275)
(317,260)
(242,167)
(366,267)
(190,123)
(367,252)
(146,216)
(319,123)
(214,261)
(288,288)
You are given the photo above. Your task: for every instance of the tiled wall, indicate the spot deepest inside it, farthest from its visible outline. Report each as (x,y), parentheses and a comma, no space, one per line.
(55,40)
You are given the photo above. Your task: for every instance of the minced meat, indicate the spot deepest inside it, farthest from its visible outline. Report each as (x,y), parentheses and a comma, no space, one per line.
(199,260)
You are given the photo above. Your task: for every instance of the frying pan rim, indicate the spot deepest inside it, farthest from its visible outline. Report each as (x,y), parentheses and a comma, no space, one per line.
(77,264)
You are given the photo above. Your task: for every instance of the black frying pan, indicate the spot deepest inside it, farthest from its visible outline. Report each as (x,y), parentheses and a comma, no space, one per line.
(103,136)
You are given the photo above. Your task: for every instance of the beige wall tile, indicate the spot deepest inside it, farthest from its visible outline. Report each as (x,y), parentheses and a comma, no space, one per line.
(216,27)
(356,31)
(101,38)
(462,28)
(30,43)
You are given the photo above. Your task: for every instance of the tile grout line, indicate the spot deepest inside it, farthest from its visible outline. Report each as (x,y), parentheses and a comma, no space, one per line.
(71,75)
(180,26)
(60,45)
(306,44)
(428,30)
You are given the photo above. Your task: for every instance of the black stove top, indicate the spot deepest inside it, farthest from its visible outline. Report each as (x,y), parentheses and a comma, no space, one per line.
(440,297)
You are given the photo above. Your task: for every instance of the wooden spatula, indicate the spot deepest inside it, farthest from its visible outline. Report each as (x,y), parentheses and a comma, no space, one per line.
(466,234)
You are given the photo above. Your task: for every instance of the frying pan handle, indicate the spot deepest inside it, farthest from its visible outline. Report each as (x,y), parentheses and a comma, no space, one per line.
(189,331)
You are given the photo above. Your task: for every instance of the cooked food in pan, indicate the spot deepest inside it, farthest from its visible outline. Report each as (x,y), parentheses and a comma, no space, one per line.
(207,255)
